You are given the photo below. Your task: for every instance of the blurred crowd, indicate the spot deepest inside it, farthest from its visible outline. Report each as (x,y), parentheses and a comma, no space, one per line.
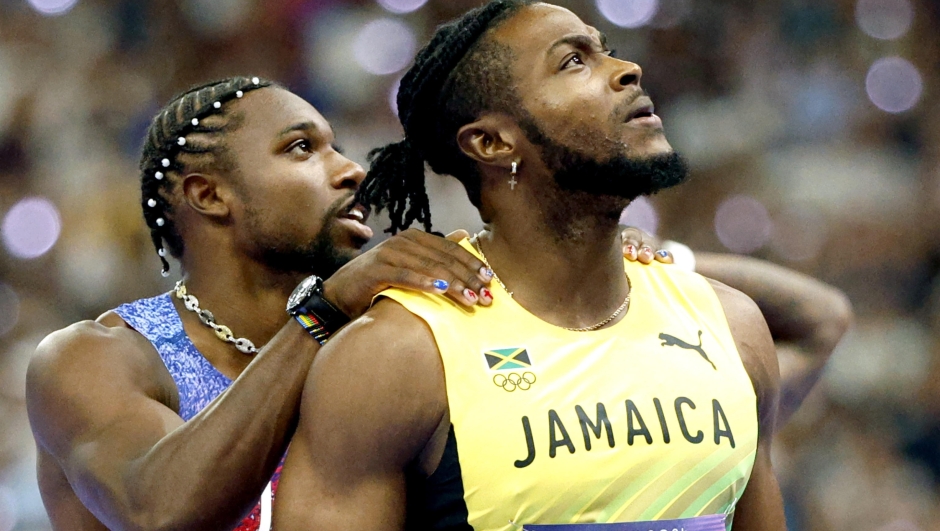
(812,128)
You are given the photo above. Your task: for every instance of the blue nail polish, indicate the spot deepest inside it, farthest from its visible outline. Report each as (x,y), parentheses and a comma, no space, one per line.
(488,273)
(441,285)
(663,253)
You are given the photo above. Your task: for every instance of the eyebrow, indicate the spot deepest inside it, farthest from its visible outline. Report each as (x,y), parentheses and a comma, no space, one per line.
(302,126)
(581,41)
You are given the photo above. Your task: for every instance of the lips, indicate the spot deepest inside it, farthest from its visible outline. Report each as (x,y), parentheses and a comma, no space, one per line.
(643,109)
(354,218)
(356,212)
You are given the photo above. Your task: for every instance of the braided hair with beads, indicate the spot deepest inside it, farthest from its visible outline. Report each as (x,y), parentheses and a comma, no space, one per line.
(188,132)
(456,77)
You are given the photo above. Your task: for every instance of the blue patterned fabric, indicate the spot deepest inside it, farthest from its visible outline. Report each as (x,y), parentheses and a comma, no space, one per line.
(197,381)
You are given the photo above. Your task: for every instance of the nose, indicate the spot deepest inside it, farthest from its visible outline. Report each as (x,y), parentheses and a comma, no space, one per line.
(625,75)
(348,175)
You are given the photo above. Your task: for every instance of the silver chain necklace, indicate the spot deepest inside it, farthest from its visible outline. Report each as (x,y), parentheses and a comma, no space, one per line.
(205,316)
(626,302)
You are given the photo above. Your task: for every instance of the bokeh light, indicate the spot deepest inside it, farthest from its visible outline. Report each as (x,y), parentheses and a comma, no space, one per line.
(53,7)
(743,224)
(31,227)
(628,13)
(641,214)
(384,46)
(884,19)
(9,309)
(402,6)
(893,84)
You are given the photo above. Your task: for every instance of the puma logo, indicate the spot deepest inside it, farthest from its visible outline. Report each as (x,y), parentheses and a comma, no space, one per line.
(672,341)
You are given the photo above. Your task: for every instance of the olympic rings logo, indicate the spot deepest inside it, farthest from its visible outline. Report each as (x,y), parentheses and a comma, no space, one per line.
(514,381)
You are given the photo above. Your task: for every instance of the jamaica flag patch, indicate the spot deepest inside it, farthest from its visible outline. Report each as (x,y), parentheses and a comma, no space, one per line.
(504,359)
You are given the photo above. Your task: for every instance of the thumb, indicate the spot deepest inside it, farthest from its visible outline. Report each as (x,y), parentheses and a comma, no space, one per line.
(458,235)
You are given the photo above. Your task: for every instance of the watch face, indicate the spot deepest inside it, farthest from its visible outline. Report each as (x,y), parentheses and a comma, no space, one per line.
(301,292)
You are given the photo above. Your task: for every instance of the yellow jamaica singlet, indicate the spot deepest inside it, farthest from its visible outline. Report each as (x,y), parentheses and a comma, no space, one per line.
(653,419)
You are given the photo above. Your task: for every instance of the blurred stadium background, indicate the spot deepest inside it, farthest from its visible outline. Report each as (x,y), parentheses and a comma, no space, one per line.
(813,128)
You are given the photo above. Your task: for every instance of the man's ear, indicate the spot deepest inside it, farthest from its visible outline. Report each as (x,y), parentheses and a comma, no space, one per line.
(206,195)
(490,140)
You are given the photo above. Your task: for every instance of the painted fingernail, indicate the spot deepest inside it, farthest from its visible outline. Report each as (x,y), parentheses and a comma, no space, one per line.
(664,253)
(441,285)
(486,272)
(486,293)
(631,251)
(646,250)
(469,294)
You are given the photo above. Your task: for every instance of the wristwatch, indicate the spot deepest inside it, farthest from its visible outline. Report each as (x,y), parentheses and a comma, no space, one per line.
(311,309)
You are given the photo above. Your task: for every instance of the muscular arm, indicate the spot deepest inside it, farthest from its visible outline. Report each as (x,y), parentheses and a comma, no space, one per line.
(380,384)
(761,506)
(806,317)
(99,405)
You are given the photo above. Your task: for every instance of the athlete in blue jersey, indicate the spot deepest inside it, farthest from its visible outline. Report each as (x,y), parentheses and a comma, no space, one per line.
(147,418)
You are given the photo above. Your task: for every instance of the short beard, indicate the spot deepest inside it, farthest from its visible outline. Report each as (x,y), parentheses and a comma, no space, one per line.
(316,257)
(619,176)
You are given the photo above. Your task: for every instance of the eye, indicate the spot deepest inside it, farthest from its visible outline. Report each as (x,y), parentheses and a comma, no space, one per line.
(302,145)
(575,59)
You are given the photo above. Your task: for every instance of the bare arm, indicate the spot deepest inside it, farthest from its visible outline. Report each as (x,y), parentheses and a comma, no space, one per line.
(806,317)
(99,405)
(761,506)
(374,398)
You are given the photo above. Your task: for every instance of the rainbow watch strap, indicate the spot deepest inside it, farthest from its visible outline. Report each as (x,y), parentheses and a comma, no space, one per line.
(313,326)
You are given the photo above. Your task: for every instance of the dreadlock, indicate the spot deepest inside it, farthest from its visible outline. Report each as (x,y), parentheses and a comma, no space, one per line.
(455,78)
(187,133)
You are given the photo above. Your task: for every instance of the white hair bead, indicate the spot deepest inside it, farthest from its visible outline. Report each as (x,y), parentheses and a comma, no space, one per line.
(165,163)
(151,202)
(255,80)
(160,222)
(195,121)
(239,94)
(161,251)
(158,175)
(164,273)
(181,141)
(217,105)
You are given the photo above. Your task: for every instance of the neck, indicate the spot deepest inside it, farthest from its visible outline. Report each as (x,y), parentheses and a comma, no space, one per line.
(562,259)
(244,295)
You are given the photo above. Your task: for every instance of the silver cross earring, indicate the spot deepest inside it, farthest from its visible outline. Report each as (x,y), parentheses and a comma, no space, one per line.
(512,176)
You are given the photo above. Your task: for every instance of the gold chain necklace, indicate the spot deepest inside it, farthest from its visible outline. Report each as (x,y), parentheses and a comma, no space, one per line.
(626,302)
(205,316)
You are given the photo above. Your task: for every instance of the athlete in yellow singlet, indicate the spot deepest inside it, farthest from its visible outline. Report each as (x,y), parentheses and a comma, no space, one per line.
(593,394)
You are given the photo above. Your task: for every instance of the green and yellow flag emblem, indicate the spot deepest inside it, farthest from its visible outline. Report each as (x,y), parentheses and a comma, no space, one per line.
(504,359)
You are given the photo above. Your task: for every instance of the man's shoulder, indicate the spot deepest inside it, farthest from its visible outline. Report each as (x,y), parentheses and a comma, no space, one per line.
(388,342)
(89,353)
(754,343)
(385,366)
(741,311)
(393,326)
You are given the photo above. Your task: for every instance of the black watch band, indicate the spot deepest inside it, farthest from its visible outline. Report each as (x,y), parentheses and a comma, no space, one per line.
(315,314)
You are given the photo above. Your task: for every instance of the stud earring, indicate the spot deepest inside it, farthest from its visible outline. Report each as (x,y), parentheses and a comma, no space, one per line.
(512,175)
